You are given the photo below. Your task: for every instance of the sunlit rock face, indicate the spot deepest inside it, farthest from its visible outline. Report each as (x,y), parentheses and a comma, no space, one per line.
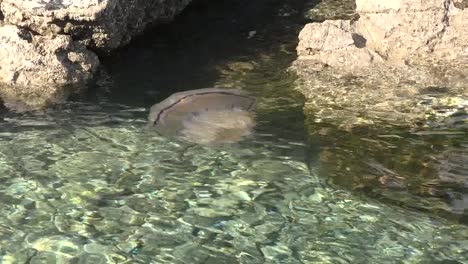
(38,67)
(397,62)
(205,116)
(46,46)
(390,28)
(398,31)
(29,59)
(99,24)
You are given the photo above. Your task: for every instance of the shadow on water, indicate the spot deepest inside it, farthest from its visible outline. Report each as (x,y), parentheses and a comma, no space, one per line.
(238,44)
(187,53)
(423,172)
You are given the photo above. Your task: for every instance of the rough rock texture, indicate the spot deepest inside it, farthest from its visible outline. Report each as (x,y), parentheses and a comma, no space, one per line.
(399,63)
(99,24)
(391,30)
(29,62)
(28,58)
(332,43)
(43,43)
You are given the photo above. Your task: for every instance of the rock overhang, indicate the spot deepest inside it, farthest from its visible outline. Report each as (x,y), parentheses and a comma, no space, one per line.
(82,26)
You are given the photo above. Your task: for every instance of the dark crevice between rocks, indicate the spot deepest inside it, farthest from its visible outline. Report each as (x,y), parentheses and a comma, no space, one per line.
(81,31)
(62,56)
(26,35)
(433,41)
(445,20)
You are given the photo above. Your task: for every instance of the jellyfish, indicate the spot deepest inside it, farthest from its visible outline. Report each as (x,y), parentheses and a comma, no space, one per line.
(209,116)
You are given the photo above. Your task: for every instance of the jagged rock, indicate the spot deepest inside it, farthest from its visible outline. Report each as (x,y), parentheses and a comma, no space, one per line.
(390,28)
(99,24)
(384,66)
(43,53)
(333,43)
(41,65)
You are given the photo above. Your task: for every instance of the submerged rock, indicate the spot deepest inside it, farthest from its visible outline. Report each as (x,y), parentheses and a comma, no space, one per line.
(424,172)
(394,64)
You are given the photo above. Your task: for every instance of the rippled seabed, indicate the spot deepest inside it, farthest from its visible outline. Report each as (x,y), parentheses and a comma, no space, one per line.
(88,187)
(88,183)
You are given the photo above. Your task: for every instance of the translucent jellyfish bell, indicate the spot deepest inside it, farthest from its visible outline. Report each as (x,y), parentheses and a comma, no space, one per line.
(206,116)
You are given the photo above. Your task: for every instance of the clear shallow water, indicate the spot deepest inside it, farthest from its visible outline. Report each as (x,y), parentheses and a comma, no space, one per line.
(82,185)
(423,170)
(87,182)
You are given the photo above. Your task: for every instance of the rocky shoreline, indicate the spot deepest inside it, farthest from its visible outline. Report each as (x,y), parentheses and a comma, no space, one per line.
(386,91)
(367,62)
(393,63)
(48,48)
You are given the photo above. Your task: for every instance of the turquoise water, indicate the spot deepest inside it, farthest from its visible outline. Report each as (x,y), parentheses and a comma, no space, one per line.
(88,182)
